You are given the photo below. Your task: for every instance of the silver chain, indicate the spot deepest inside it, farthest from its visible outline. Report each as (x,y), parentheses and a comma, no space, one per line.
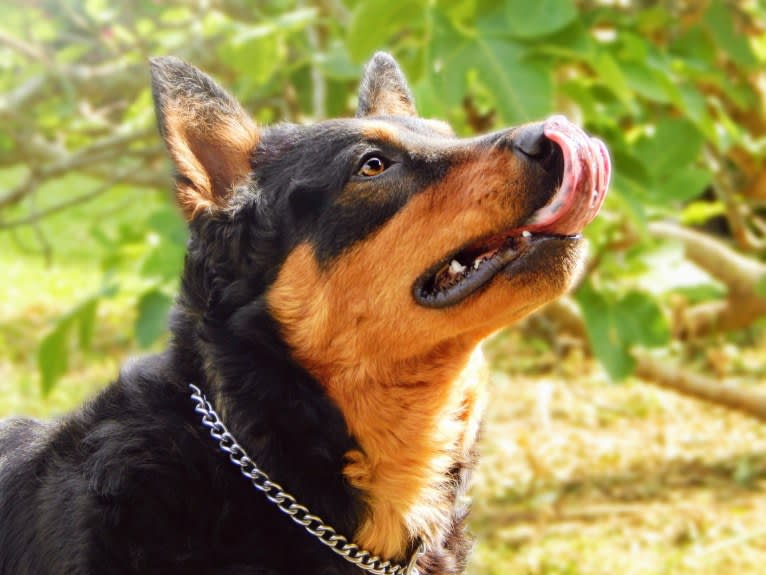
(287,504)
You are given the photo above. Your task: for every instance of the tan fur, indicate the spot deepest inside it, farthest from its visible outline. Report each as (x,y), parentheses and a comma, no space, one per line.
(401,373)
(211,151)
(390,103)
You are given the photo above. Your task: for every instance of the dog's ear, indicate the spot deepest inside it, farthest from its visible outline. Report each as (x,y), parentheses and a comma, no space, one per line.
(208,134)
(384,90)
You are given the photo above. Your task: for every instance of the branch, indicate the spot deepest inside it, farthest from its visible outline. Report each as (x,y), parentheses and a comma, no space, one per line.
(107,150)
(740,274)
(700,387)
(722,262)
(24,48)
(11,102)
(36,216)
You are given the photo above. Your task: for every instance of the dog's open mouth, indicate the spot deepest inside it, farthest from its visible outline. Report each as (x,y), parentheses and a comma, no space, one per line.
(584,182)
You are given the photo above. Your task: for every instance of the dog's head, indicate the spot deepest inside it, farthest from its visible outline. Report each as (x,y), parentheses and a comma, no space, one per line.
(380,236)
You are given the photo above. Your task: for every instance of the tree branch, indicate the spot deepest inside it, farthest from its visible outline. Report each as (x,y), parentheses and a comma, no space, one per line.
(739,273)
(36,216)
(700,387)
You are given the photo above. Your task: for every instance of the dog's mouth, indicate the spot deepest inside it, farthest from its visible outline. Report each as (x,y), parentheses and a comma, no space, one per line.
(583,185)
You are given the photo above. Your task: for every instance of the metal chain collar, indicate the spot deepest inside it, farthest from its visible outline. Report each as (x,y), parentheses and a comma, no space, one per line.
(287,503)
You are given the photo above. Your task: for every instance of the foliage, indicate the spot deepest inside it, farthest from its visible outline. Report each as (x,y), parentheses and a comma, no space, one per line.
(675,88)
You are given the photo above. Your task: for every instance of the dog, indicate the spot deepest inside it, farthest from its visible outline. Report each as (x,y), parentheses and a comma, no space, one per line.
(318,406)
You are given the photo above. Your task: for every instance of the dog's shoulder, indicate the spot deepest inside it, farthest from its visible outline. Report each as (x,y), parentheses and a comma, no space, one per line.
(20,439)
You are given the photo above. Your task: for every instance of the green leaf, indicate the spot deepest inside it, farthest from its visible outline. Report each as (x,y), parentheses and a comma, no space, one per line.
(540,18)
(610,74)
(698,213)
(164,259)
(760,287)
(151,321)
(640,321)
(375,21)
(255,53)
(164,262)
(645,81)
(168,223)
(429,100)
(336,62)
(687,183)
(523,88)
(298,19)
(53,355)
(86,322)
(602,333)
(616,325)
(693,105)
(732,41)
(674,144)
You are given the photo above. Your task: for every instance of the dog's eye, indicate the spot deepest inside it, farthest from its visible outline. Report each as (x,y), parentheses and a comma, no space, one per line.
(373,166)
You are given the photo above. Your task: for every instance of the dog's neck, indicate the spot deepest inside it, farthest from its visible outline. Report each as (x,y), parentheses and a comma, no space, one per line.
(416,423)
(271,405)
(411,429)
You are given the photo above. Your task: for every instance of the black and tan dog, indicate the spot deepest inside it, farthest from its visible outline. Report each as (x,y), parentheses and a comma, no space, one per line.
(338,281)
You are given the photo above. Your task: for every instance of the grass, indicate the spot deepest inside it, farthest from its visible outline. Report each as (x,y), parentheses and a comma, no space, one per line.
(583,477)
(578,476)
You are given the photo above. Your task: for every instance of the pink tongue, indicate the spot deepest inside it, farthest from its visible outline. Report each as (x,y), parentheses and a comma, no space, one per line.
(583,188)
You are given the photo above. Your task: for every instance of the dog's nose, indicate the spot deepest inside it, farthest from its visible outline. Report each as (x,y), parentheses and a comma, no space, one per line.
(532,143)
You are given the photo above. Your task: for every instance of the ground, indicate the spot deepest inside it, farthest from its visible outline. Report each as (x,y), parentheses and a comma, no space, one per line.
(578,476)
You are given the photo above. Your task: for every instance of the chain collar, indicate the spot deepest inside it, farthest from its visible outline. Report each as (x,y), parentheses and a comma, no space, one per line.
(287,504)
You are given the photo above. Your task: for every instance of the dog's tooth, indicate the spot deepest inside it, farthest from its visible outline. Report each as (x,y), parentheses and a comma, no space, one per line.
(526,234)
(455,267)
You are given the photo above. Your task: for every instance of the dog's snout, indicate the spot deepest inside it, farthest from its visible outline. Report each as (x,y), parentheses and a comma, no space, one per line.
(532,143)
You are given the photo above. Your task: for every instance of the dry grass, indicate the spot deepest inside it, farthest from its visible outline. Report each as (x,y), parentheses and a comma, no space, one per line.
(583,477)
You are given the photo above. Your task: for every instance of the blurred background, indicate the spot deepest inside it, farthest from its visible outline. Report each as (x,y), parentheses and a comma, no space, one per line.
(626,432)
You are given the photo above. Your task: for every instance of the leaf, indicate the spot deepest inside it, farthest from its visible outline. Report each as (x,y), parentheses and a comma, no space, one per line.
(53,355)
(674,144)
(616,325)
(167,222)
(573,42)
(165,257)
(375,21)
(693,105)
(698,213)
(685,184)
(255,53)
(611,75)
(336,62)
(760,287)
(521,87)
(86,322)
(164,262)
(540,18)
(732,41)
(645,81)
(298,19)
(151,320)
(604,339)
(640,322)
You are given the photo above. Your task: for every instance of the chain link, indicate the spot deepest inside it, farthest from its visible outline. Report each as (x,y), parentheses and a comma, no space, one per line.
(288,504)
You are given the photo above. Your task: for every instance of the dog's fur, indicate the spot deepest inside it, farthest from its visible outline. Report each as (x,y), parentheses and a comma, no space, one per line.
(296,316)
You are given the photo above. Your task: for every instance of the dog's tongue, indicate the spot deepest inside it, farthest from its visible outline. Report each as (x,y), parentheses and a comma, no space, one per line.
(584,183)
